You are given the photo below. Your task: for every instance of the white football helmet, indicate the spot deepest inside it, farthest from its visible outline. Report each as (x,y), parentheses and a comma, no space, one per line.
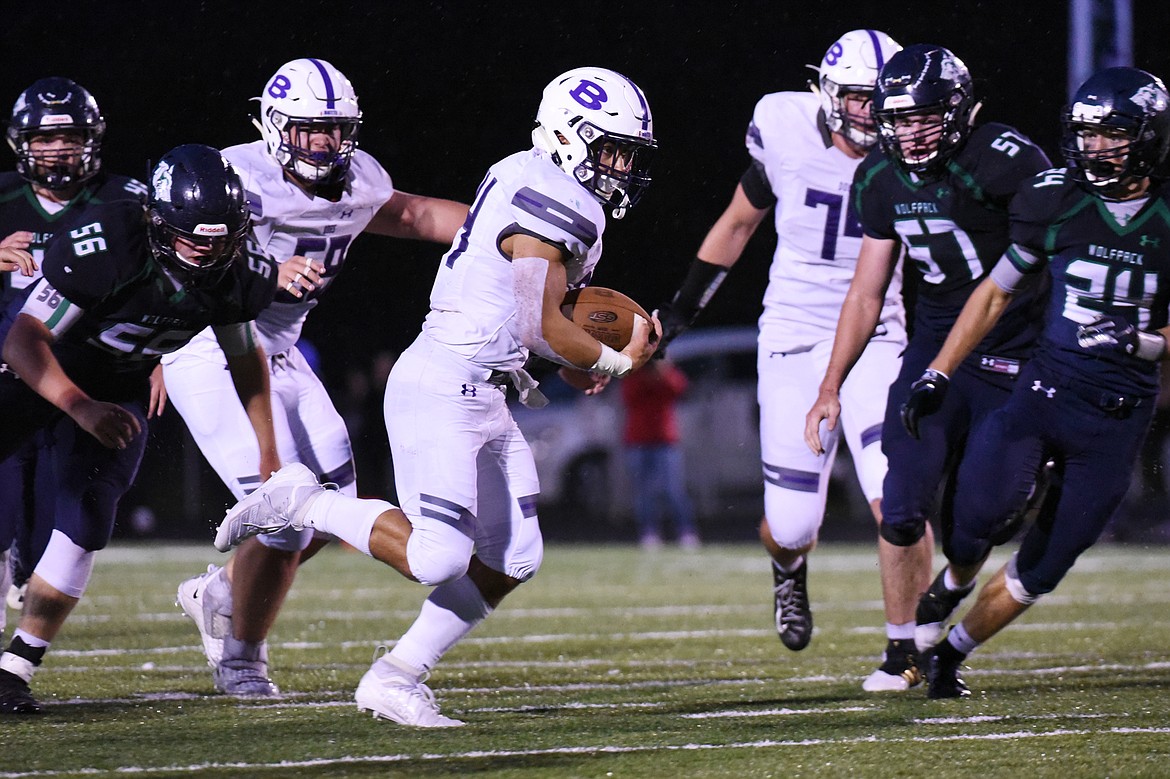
(596,124)
(852,64)
(303,94)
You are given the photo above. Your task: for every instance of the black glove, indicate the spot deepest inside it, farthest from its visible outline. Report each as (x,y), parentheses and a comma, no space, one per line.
(1114,334)
(926,397)
(673,324)
(703,279)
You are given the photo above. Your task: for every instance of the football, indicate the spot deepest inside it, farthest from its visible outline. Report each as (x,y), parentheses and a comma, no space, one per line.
(605,314)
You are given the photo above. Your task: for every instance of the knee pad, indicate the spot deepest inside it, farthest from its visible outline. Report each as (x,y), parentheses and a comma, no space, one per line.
(903,533)
(65,565)
(793,518)
(437,553)
(287,540)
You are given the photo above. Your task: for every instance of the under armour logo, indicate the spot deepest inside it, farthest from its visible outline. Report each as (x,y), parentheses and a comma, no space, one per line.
(468,391)
(941,192)
(1151,240)
(1048,391)
(347,213)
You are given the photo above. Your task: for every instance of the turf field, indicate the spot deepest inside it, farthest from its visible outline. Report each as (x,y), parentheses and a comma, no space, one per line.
(611,663)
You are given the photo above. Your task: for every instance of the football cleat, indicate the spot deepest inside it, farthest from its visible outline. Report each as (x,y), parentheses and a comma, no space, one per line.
(390,693)
(944,675)
(794,621)
(243,671)
(276,504)
(898,671)
(210,608)
(245,679)
(935,609)
(15,695)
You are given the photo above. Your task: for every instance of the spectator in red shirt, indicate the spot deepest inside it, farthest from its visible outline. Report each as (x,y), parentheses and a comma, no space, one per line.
(653,454)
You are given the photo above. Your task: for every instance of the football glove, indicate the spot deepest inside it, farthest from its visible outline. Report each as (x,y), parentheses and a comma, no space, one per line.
(926,397)
(701,283)
(1114,334)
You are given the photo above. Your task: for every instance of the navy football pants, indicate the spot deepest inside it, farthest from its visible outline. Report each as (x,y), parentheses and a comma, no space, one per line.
(91,478)
(918,468)
(1095,444)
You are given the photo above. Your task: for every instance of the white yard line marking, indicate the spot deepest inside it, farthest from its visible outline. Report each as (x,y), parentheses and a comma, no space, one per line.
(582,750)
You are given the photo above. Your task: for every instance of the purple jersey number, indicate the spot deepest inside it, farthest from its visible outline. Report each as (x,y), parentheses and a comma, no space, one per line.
(329,251)
(832,203)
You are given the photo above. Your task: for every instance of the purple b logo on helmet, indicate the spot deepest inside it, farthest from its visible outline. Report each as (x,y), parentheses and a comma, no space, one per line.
(589,95)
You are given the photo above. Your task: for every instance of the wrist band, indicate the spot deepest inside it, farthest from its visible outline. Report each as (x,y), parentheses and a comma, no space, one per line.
(612,362)
(1151,346)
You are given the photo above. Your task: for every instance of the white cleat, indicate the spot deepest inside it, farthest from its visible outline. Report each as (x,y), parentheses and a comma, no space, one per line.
(243,672)
(207,600)
(389,693)
(276,504)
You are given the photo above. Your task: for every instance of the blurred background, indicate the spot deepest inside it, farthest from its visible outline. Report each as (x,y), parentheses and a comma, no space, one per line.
(448,88)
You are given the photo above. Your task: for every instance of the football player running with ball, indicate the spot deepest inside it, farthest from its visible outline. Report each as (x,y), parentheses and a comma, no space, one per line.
(937,190)
(311,192)
(464,473)
(119,290)
(1100,228)
(805,148)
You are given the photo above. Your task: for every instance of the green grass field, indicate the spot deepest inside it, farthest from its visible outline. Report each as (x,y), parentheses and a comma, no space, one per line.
(611,663)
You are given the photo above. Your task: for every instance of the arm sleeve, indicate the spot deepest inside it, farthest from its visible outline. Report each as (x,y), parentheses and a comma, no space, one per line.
(755,185)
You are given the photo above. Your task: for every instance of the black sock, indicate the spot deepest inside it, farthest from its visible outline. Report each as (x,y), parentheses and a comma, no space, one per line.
(34,654)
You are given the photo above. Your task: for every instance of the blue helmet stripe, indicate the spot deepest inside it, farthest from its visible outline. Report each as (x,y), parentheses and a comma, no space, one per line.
(641,100)
(877,48)
(330,97)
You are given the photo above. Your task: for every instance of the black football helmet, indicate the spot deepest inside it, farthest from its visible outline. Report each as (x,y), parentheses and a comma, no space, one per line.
(1128,104)
(56,105)
(923,79)
(197,198)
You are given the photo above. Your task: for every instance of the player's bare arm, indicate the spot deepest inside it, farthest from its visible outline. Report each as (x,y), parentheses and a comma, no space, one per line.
(859,316)
(28,351)
(729,235)
(416,216)
(548,332)
(248,366)
(980,313)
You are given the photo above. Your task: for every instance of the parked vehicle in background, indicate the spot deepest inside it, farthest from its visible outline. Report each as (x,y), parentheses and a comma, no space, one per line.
(576,441)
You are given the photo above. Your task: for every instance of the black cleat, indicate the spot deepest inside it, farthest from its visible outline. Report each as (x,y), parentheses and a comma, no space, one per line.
(794,622)
(898,671)
(944,675)
(15,695)
(935,609)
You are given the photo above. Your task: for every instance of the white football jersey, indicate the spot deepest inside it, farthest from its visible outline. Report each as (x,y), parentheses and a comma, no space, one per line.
(818,233)
(473,305)
(287,222)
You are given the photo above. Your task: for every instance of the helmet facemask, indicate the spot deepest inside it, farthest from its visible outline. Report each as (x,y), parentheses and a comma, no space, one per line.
(923,138)
(200,256)
(317,151)
(858,125)
(616,167)
(73,159)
